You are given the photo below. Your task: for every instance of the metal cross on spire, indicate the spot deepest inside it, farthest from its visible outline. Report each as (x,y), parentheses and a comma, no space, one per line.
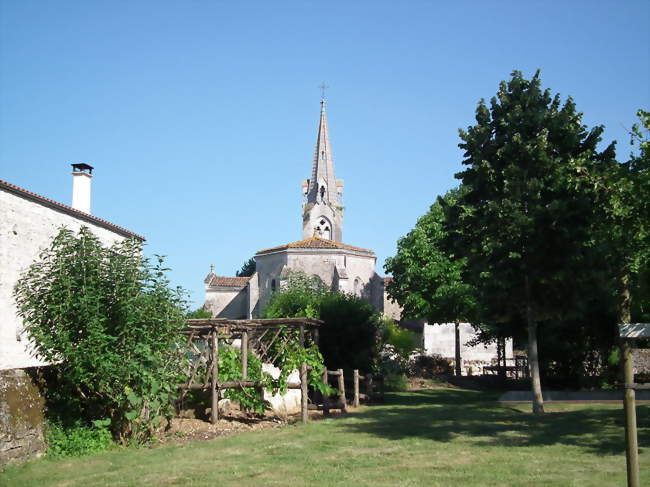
(323,87)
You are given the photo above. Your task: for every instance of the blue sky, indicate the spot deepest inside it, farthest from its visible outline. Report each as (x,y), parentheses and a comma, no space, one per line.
(200,116)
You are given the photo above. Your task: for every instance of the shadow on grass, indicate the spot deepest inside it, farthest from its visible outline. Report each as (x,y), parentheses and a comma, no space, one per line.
(445,414)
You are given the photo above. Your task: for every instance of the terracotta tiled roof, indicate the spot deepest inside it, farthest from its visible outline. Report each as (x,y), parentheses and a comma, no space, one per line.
(316,243)
(67,209)
(387,280)
(228,281)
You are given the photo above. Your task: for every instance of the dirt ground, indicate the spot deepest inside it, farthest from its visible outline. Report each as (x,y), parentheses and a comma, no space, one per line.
(184,430)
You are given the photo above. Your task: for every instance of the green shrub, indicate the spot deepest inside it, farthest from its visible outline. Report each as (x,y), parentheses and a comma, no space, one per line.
(395,383)
(109,319)
(76,439)
(429,366)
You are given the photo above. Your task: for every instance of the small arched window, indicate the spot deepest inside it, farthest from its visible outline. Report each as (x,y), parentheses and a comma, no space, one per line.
(358,287)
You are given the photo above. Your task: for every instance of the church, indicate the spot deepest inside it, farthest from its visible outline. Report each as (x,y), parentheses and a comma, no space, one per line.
(339,266)
(321,252)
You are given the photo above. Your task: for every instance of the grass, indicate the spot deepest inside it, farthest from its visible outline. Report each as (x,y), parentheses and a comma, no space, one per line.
(440,437)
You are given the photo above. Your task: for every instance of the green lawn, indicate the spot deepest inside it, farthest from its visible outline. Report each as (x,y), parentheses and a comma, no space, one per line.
(436,437)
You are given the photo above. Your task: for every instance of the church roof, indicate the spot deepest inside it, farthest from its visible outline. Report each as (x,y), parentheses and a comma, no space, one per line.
(316,242)
(12,188)
(223,281)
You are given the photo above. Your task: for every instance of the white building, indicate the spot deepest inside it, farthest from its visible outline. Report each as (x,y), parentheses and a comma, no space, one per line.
(28,222)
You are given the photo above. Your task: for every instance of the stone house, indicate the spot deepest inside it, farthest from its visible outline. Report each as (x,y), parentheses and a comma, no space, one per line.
(28,222)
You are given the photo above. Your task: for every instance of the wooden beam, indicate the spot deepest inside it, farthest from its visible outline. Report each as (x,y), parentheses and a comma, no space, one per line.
(214,414)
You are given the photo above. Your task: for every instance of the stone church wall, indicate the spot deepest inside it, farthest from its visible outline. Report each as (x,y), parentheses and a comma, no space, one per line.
(26,227)
(227,302)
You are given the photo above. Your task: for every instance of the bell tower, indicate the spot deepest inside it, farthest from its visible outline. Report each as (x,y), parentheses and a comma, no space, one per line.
(322,209)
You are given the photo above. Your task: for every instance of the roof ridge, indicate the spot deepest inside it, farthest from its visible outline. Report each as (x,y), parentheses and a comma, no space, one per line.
(319,242)
(67,209)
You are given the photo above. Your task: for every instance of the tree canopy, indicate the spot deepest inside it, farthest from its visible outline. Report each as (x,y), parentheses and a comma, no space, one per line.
(247,268)
(428,279)
(525,216)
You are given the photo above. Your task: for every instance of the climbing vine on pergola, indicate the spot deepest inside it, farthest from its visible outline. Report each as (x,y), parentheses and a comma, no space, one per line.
(283,341)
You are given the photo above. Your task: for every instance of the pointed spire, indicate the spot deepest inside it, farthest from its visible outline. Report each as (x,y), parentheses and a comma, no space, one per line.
(322,185)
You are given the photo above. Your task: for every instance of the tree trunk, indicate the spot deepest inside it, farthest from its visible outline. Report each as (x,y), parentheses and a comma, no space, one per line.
(624,300)
(533,358)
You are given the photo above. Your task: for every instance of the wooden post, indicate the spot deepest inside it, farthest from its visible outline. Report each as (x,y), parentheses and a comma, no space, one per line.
(355,400)
(324,397)
(631,445)
(214,414)
(341,379)
(244,355)
(369,386)
(303,393)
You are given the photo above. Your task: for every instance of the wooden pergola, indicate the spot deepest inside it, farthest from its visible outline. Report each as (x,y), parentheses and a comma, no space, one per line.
(256,335)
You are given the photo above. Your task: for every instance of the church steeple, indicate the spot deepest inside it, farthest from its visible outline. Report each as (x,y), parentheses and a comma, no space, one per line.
(322,210)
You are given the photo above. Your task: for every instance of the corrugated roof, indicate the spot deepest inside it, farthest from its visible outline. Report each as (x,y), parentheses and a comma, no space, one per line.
(316,243)
(67,209)
(224,281)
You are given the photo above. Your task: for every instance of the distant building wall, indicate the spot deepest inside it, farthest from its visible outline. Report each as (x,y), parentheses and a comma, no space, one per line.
(224,302)
(440,339)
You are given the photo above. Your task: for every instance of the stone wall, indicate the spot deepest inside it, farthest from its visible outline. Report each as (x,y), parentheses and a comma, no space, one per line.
(21,417)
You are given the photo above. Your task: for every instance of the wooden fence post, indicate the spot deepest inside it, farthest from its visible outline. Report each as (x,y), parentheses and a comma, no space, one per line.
(324,397)
(214,414)
(303,393)
(341,380)
(632,447)
(355,399)
(244,355)
(369,387)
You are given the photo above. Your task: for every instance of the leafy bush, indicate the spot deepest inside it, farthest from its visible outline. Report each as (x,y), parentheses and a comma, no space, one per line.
(348,339)
(76,439)
(429,366)
(397,346)
(395,383)
(198,314)
(108,318)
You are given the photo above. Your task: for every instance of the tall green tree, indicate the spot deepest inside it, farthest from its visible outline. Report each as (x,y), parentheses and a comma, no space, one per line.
(428,275)
(624,211)
(247,268)
(525,217)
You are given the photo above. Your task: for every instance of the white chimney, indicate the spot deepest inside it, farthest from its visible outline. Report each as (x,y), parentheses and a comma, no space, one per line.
(82,175)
